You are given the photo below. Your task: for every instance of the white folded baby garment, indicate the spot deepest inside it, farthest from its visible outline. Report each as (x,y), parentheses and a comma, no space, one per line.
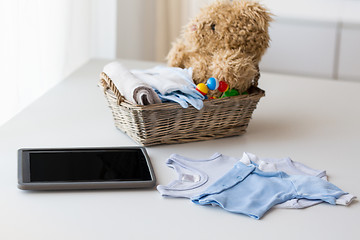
(132,88)
(172,84)
(168,79)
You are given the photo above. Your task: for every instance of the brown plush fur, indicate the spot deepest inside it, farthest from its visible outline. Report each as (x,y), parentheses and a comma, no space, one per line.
(226,41)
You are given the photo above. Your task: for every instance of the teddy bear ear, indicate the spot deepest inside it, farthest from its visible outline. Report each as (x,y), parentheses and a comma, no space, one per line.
(255,11)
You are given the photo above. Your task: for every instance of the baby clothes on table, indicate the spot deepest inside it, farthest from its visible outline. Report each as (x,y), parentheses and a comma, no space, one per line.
(194,176)
(247,190)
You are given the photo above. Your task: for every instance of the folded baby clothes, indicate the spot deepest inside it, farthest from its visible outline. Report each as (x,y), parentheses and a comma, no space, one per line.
(183,99)
(194,176)
(168,79)
(172,84)
(155,85)
(132,88)
(247,190)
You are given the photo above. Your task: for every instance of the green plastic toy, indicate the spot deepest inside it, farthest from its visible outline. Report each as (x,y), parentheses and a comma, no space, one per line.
(230,93)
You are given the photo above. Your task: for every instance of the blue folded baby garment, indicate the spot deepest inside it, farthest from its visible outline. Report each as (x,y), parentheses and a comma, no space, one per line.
(247,190)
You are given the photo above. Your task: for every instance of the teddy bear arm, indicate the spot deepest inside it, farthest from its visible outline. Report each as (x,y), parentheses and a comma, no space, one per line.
(177,55)
(238,70)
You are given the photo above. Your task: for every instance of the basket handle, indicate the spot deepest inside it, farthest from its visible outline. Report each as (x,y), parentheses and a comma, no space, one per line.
(107,83)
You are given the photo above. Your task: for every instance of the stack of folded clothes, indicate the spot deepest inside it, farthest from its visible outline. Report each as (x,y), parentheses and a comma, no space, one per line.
(250,185)
(155,85)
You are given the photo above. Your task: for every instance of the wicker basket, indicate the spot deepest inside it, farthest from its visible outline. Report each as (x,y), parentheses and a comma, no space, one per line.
(168,123)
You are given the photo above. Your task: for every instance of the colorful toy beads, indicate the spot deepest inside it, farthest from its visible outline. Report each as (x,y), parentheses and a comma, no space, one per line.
(202,88)
(223,86)
(212,84)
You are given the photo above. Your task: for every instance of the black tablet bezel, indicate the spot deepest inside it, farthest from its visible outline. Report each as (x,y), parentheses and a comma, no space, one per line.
(24,182)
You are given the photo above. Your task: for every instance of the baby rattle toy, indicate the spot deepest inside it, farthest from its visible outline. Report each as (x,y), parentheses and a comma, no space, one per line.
(214,84)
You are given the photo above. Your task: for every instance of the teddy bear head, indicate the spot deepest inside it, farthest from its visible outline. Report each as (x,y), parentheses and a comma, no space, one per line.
(240,25)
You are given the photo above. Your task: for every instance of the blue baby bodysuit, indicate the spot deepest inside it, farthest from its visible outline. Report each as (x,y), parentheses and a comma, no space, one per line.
(247,190)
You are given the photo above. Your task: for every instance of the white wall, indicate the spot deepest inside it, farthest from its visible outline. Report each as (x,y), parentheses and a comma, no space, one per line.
(315,37)
(136,29)
(144,30)
(349,52)
(104,28)
(43,41)
(302,47)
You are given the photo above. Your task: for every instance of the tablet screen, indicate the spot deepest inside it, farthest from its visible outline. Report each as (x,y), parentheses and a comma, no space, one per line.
(88,165)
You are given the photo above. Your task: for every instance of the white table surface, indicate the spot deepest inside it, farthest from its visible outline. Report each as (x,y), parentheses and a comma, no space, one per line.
(313,121)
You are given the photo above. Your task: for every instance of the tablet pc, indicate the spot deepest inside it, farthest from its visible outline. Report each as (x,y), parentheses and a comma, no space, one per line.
(84,168)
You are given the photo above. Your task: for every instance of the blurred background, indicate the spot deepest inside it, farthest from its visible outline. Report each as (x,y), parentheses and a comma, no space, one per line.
(44,41)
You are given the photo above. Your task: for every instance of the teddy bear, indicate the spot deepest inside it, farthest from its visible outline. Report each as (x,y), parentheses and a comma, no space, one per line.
(226,40)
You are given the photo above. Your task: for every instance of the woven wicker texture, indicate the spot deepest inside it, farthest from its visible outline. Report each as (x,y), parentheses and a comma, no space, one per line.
(168,123)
